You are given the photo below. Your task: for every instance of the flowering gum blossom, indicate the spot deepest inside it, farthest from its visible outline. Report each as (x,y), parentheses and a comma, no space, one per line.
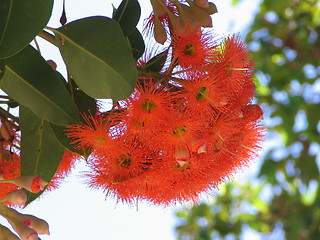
(33,184)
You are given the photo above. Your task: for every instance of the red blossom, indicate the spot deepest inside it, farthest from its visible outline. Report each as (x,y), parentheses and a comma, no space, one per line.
(184,130)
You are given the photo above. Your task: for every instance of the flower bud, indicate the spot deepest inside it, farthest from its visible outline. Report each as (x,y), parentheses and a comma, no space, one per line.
(31,183)
(6,234)
(23,231)
(6,131)
(211,9)
(16,197)
(201,3)
(16,219)
(160,34)
(52,64)
(40,225)
(158,8)
(201,15)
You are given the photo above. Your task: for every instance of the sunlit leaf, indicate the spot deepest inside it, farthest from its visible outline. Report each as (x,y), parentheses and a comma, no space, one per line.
(20,22)
(30,81)
(98,57)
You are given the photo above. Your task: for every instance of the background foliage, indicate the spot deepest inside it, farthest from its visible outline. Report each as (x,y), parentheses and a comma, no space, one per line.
(282,201)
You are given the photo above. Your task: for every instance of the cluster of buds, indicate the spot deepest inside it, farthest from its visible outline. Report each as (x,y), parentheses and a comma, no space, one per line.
(11,181)
(13,186)
(174,15)
(187,126)
(26,226)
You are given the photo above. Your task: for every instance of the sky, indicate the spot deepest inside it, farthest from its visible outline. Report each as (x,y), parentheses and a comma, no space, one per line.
(76,212)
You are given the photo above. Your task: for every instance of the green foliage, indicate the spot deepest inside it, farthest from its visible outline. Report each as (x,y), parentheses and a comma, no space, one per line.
(84,47)
(285,44)
(40,150)
(27,18)
(137,44)
(99,55)
(128,15)
(37,87)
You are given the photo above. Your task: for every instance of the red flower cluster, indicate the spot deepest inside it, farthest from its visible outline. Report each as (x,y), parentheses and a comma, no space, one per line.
(11,180)
(183,130)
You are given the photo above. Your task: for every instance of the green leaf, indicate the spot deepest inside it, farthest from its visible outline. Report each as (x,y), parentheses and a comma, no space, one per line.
(98,57)
(65,141)
(20,22)
(128,15)
(2,67)
(41,152)
(86,106)
(30,81)
(156,63)
(137,44)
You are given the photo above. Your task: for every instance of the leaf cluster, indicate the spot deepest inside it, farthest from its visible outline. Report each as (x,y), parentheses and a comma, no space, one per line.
(99,53)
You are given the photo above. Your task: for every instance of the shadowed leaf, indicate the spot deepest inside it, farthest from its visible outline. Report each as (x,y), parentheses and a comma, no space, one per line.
(20,22)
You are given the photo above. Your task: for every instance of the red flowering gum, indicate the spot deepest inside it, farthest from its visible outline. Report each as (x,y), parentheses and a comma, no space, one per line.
(33,184)
(183,130)
(146,108)
(94,134)
(192,48)
(202,94)
(233,64)
(67,163)
(9,168)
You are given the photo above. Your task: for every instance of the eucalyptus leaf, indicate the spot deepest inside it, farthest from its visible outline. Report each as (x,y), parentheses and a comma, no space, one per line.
(98,57)
(65,141)
(30,81)
(128,15)
(156,63)
(86,106)
(2,67)
(41,152)
(137,44)
(20,22)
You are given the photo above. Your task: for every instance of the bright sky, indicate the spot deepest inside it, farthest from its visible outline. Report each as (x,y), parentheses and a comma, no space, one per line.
(76,212)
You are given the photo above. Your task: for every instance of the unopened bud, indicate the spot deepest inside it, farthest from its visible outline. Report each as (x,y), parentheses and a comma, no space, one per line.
(16,197)
(211,9)
(6,131)
(23,231)
(6,234)
(253,112)
(160,34)
(17,219)
(201,3)
(201,15)
(40,225)
(52,64)
(158,8)
(33,184)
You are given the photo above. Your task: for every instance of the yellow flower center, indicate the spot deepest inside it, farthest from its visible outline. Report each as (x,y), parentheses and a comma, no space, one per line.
(189,50)
(124,160)
(180,130)
(202,93)
(148,105)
